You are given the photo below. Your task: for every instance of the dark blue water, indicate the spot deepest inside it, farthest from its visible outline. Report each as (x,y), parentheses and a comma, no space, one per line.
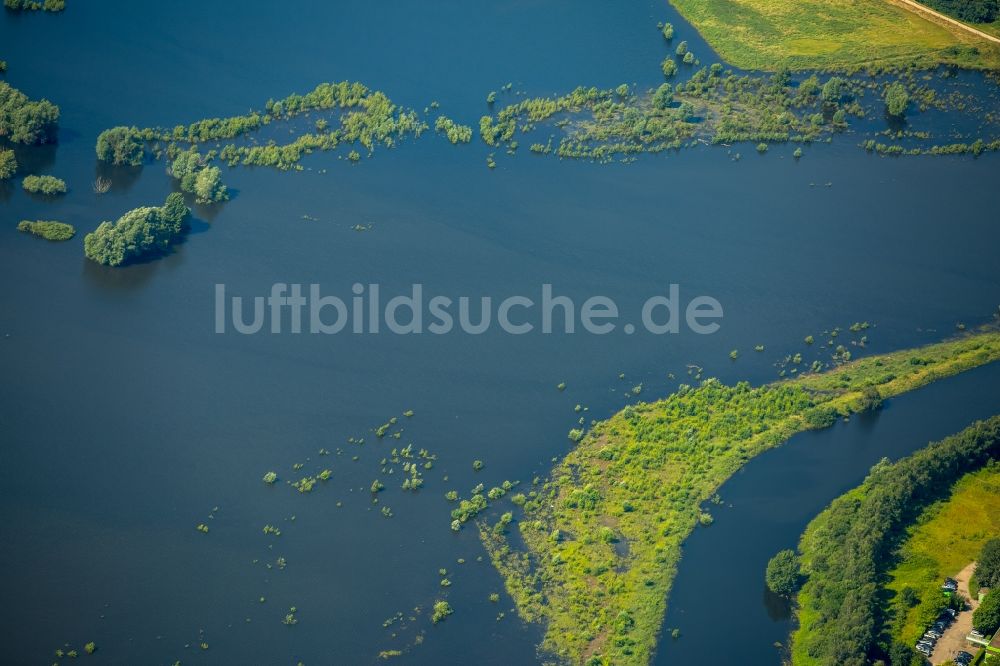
(125,420)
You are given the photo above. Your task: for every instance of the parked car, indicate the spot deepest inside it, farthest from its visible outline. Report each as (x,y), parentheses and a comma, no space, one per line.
(932,633)
(952,613)
(923,649)
(963,658)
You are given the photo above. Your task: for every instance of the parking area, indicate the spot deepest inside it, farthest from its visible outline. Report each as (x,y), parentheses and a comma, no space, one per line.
(952,640)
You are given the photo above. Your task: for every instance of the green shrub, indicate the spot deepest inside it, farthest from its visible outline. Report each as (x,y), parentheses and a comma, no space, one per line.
(44,185)
(896,99)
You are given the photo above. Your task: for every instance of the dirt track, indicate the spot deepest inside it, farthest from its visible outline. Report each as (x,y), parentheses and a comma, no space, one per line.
(944,18)
(953,639)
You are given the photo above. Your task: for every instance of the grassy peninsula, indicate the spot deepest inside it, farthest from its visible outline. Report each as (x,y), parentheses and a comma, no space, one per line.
(847,550)
(846,35)
(602,537)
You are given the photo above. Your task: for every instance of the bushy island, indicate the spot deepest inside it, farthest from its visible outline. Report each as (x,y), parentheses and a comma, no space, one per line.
(44,185)
(53,231)
(602,537)
(847,551)
(23,120)
(137,233)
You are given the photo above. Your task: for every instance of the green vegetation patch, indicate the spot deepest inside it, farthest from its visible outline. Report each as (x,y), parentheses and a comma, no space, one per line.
(714,105)
(370,118)
(644,473)
(843,35)
(53,231)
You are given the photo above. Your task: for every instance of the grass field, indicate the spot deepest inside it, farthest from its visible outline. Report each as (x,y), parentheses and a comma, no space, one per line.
(831,34)
(947,537)
(602,538)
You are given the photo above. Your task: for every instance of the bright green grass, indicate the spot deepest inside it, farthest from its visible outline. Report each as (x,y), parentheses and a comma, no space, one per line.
(946,538)
(838,34)
(603,537)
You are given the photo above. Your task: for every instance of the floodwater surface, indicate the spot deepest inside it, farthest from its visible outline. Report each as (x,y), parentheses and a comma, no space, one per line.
(126,421)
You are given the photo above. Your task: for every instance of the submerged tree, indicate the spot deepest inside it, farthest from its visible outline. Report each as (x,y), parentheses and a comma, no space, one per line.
(663,96)
(833,90)
(197,178)
(137,233)
(896,99)
(120,145)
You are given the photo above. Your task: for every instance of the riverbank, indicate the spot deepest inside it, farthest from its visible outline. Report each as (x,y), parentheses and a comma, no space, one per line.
(602,538)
